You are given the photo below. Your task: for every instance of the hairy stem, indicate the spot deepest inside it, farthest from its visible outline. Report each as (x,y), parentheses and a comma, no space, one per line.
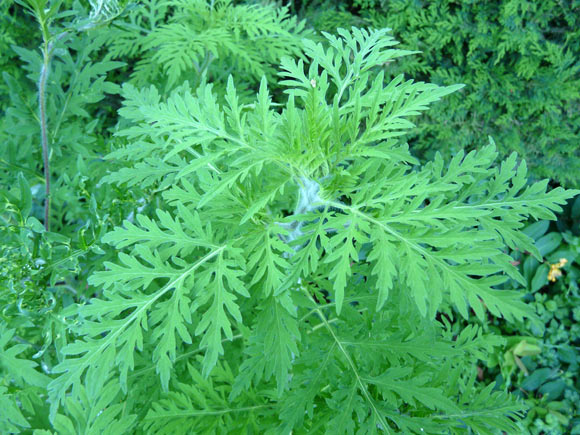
(44,135)
(47,50)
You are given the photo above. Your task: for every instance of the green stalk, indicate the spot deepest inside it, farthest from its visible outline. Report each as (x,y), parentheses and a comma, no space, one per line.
(47,51)
(43,132)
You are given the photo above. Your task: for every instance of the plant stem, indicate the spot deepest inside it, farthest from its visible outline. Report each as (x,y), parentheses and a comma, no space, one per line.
(43,134)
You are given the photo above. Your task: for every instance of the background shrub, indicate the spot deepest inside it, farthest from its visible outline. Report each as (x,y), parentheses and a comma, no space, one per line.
(517,58)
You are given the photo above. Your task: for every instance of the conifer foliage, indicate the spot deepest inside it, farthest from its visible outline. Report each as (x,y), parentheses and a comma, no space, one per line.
(289,270)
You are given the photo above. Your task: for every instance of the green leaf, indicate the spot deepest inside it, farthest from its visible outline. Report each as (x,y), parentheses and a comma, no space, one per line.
(537,378)
(21,370)
(537,229)
(540,278)
(25,196)
(548,243)
(341,251)
(273,346)
(125,334)
(553,389)
(267,259)
(175,235)
(391,382)
(216,286)
(11,418)
(382,254)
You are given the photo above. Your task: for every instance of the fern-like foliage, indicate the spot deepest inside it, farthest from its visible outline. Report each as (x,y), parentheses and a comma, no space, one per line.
(17,374)
(180,39)
(78,81)
(201,405)
(304,258)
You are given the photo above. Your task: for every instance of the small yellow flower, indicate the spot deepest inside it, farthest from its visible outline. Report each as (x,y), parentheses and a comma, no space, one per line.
(555,271)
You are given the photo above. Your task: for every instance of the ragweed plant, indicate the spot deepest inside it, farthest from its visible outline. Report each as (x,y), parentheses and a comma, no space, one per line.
(291,278)
(292,274)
